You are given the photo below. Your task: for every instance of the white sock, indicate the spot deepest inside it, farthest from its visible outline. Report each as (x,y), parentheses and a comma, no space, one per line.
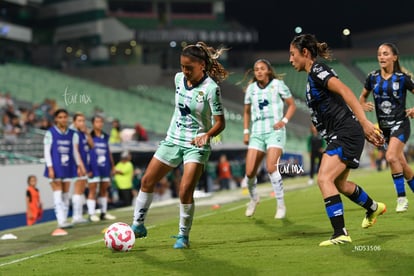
(65,198)
(59,207)
(77,205)
(142,205)
(91,203)
(277,183)
(186,218)
(103,201)
(251,185)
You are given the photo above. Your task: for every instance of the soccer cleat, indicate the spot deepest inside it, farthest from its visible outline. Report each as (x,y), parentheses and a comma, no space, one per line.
(342,239)
(402,204)
(93,218)
(280,212)
(181,242)
(65,225)
(139,230)
(79,221)
(59,232)
(371,218)
(106,216)
(251,207)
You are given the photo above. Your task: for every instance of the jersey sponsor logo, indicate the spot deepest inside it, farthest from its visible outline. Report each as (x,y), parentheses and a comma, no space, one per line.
(64,159)
(63,142)
(63,149)
(184,109)
(317,69)
(322,75)
(218,107)
(263,104)
(100,145)
(395,94)
(385,107)
(217,91)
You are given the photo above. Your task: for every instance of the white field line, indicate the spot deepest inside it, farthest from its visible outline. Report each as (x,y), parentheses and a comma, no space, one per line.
(100,240)
(56,250)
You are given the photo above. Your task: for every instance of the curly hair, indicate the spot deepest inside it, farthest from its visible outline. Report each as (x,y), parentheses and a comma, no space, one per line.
(209,55)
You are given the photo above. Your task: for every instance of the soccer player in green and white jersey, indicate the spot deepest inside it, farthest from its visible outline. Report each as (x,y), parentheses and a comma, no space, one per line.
(264,102)
(198,116)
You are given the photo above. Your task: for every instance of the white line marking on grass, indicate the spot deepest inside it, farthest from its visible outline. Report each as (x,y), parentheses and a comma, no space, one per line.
(56,250)
(33,256)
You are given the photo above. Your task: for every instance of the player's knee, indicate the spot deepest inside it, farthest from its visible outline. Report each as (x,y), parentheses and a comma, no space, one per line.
(391,158)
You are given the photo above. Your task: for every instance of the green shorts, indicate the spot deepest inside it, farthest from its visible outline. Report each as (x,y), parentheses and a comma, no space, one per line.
(172,155)
(274,139)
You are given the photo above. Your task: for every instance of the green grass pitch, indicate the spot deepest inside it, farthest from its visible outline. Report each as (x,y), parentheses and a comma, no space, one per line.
(225,242)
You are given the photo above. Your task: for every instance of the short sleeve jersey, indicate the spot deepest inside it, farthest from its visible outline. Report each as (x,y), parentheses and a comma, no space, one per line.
(194,109)
(327,108)
(266,104)
(389,96)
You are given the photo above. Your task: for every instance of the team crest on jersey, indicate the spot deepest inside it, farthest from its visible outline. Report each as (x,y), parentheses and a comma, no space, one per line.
(395,85)
(199,97)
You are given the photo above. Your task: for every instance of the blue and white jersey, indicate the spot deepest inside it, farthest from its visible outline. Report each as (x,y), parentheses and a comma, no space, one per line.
(389,96)
(328,109)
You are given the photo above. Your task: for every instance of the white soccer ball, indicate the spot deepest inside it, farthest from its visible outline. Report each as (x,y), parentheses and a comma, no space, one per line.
(119,237)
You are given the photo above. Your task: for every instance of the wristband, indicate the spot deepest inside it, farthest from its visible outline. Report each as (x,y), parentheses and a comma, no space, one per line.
(246,131)
(285,120)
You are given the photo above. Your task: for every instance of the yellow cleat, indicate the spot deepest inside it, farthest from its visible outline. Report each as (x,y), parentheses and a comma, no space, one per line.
(338,240)
(371,219)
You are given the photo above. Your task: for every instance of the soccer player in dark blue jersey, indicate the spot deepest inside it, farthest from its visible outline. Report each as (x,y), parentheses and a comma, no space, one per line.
(389,86)
(340,119)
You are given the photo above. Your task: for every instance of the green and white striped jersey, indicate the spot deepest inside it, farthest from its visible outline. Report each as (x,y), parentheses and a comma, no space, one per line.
(194,109)
(266,104)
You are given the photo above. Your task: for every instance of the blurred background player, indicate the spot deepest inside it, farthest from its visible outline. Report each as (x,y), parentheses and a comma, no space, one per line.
(340,119)
(124,174)
(198,116)
(316,147)
(102,168)
(115,134)
(264,102)
(33,202)
(63,164)
(85,144)
(224,174)
(389,86)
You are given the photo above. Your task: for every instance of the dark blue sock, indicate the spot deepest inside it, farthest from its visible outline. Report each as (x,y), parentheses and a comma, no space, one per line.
(398,179)
(360,197)
(335,210)
(411,184)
